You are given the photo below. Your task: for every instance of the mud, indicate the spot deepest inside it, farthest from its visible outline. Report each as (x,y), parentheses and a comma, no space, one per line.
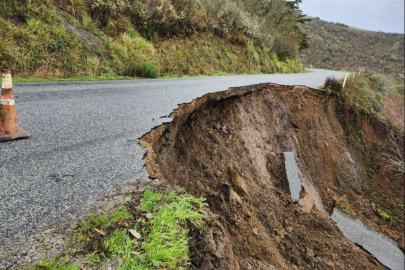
(228,147)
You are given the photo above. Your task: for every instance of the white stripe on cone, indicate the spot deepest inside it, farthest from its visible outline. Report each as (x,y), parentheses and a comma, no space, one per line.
(7,102)
(7,82)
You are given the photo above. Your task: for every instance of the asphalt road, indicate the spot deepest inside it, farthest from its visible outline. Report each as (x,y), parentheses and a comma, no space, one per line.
(384,249)
(84,140)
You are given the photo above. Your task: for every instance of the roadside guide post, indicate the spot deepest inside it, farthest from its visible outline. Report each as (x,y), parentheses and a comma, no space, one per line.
(9,129)
(344,82)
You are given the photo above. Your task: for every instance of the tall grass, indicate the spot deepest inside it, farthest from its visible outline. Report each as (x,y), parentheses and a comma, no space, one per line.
(70,38)
(394,103)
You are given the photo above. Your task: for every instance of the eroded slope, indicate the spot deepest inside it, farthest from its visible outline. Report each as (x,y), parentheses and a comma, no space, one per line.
(228,147)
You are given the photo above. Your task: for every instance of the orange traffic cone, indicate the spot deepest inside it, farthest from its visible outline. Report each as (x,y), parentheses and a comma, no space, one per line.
(9,129)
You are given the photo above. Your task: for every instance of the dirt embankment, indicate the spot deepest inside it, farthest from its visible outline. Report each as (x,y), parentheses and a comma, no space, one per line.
(228,147)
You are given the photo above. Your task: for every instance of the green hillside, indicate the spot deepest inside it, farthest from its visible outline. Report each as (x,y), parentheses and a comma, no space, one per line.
(338,46)
(139,38)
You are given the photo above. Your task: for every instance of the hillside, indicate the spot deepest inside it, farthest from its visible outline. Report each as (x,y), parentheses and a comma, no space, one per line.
(338,46)
(65,38)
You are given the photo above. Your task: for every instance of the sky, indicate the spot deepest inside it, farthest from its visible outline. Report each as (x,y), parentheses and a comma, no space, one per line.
(376,15)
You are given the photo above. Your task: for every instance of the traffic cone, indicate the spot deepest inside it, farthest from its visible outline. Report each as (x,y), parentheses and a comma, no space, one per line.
(9,129)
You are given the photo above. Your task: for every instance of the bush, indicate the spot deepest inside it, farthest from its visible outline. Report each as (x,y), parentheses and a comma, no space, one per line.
(145,70)
(332,85)
(378,82)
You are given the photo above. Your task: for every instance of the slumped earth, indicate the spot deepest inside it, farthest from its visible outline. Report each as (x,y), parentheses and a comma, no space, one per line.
(228,147)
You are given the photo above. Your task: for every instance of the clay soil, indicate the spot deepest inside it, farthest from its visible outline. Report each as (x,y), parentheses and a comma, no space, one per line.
(228,147)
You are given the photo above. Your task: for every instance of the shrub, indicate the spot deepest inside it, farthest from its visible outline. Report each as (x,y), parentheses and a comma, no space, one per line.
(332,85)
(378,82)
(145,70)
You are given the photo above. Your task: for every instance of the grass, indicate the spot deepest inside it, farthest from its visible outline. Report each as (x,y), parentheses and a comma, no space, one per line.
(346,210)
(116,77)
(166,244)
(362,94)
(54,265)
(69,45)
(390,210)
(156,239)
(365,98)
(145,70)
(71,79)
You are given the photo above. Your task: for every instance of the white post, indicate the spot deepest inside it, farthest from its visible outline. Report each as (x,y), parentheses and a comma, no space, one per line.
(344,82)
(359,72)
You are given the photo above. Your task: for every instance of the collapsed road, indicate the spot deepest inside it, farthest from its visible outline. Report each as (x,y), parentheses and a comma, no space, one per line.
(85,140)
(273,162)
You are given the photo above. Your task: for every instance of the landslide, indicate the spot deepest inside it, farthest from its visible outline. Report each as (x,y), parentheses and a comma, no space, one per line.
(228,147)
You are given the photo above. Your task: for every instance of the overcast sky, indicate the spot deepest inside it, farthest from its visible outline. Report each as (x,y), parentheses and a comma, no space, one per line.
(377,15)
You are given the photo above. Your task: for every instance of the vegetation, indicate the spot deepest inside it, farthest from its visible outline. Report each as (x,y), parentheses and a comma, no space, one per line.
(348,211)
(390,210)
(146,70)
(337,46)
(380,96)
(156,239)
(87,38)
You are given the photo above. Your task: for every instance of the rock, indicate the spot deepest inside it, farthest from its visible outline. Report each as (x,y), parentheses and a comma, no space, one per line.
(330,264)
(310,252)
(308,203)
(300,203)
(238,182)
(255,231)
(200,186)
(294,260)
(234,198)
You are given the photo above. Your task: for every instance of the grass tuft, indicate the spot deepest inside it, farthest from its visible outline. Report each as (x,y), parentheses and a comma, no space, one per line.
(144,70)
(157,239)
(55,264)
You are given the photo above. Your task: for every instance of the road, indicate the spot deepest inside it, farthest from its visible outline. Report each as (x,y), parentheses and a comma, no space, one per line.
(382,248)
(84,140)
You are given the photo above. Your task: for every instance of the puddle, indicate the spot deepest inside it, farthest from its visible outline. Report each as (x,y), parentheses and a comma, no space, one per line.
(384,249)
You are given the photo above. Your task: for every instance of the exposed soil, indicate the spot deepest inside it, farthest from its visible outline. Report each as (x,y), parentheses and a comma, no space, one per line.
(228,147)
